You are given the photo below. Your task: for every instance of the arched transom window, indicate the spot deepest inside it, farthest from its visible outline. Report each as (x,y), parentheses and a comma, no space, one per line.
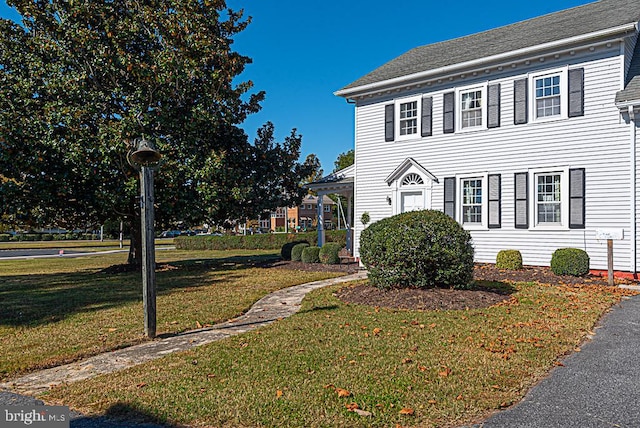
(412,179)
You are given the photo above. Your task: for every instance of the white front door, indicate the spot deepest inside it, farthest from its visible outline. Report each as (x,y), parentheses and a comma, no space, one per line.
(412,201)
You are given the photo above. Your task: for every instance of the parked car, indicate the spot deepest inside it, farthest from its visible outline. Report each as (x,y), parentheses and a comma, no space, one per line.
(170,233)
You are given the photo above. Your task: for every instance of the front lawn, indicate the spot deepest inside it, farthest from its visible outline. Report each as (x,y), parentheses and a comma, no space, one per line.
(331,360)
(54,311)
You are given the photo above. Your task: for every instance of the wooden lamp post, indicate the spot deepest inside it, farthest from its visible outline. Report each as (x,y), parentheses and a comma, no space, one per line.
(145,158)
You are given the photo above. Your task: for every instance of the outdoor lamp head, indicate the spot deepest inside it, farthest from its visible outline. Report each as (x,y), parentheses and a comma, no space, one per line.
(145,154)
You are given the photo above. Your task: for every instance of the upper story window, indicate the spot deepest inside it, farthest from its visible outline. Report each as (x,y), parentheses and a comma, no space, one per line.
(327,208)
(548,96)
(408,118)
(471,108)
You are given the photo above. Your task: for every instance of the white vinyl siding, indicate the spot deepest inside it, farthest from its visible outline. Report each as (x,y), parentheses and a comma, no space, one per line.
(597,142)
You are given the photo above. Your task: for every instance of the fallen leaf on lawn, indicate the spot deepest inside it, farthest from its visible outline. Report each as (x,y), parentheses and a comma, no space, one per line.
(363,413)
(444,373)
(559,364)
(141,385)
(198,325)
(432,401)
(407,361)
(577,349)
(329,386)
(343,392)
(352,406)
(278,393)
(459,397)
(377,331)
(407,411)
(173,322)
(111,330)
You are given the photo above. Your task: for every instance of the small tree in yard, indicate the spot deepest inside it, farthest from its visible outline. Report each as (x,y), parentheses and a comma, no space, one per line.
(423,249)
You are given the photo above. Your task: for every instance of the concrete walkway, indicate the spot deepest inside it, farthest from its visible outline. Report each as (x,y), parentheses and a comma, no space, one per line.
(275,306)
(596,387)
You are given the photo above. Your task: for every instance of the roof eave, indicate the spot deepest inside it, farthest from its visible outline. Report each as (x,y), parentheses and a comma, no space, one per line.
(398,81)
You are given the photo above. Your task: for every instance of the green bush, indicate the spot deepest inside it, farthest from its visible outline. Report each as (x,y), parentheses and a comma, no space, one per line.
(423,249)
(267,241)
(311,255)
(47,237)
(509,259)
(285,252)
(296,251)
(570,261)
(330,253)
(5,237)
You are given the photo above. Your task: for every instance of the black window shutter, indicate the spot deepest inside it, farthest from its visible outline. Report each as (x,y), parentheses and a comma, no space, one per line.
(520,101)
(495,204)
(388,122)
(427,111)
(576,92)
(450,196)
(521,182)
(576,198)
(493,106)
(449,112)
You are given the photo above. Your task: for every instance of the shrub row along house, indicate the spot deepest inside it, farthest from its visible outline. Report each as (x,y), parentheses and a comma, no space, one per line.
(525,134)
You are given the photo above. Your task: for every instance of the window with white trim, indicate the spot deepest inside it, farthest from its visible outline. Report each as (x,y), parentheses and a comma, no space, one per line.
(471,108)
(550,203)
(549,95)
(471,104)
(407,118)
(471,201)
(327,208)
(548,199)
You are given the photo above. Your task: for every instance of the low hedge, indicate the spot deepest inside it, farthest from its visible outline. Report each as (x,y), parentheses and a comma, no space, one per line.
(5,237)
(296,251)
(268,241)
(509,259)
(570,261)
(330,253)
(311,255)
(287,248)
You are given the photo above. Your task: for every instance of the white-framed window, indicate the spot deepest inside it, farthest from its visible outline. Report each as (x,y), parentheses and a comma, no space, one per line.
(471,108)
(549,95)
(327,208)
(407,120)
(309,206)
(550,191)
(472,213)
(471,200)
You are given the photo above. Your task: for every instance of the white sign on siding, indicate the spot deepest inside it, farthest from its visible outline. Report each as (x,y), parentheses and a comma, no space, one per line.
(615,234)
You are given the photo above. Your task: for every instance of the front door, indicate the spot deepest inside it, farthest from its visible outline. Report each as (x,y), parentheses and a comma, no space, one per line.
(412,201)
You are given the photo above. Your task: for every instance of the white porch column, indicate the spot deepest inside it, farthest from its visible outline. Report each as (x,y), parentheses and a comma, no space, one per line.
(349,231)
(320,219)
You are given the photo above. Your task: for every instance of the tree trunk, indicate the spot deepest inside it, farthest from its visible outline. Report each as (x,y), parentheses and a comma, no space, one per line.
(135,248)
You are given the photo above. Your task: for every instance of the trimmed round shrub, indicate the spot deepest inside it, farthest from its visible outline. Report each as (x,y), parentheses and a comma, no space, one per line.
(422,249)
(285,252)
(509,259)
(311,255)
(296,251)
(570,261)
(330,253)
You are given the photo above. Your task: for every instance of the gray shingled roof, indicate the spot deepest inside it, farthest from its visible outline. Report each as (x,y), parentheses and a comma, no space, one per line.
(593,17)
(631,90)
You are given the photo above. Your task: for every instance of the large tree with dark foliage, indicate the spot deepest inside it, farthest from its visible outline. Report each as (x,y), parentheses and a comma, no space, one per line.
(80,80)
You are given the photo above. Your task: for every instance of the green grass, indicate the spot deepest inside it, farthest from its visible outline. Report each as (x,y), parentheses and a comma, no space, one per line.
(448,367)
(54,311)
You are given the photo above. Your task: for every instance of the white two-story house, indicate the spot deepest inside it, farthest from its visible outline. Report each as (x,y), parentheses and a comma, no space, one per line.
(525,134)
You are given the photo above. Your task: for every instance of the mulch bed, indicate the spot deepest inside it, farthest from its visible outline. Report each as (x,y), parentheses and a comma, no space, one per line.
(446,299)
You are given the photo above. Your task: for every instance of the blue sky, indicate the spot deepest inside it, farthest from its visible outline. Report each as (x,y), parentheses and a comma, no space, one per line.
(303,51)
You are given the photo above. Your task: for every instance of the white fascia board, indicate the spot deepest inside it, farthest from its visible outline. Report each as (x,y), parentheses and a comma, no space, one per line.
(346,93)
